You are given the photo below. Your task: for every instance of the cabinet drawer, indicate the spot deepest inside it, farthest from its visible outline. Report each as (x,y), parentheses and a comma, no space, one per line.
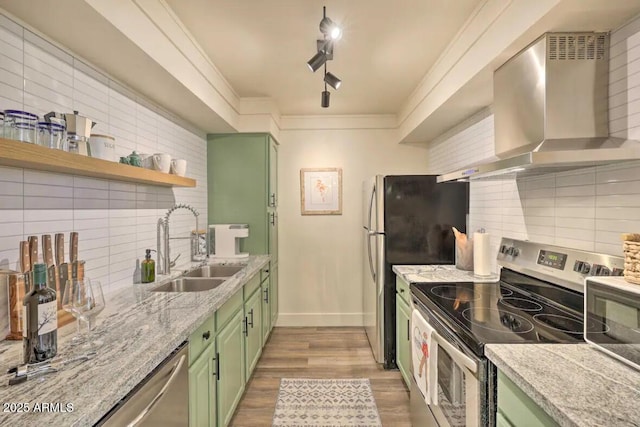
(251,286)
(403,289)
(264,273)
(201,338)
(229,308)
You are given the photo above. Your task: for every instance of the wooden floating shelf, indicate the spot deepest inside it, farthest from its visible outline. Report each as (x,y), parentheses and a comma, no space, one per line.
(30,156)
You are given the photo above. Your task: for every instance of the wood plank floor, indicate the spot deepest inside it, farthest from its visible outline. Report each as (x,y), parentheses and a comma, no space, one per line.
(320,353)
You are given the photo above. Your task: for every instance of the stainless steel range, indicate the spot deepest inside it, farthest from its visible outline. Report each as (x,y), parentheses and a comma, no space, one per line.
(538,299)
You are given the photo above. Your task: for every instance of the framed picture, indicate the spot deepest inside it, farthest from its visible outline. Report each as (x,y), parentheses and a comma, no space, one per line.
(321,191)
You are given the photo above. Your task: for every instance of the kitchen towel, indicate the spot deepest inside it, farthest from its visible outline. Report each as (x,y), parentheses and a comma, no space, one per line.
(424,354)
(481,254)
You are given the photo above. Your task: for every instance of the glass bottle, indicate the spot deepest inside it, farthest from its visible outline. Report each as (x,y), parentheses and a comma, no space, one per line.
(40,316)
(148,268)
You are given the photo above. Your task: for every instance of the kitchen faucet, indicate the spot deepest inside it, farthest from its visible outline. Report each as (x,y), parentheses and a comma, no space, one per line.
(163,248)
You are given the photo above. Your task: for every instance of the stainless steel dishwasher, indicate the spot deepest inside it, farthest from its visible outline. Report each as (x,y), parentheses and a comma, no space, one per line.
(161,399)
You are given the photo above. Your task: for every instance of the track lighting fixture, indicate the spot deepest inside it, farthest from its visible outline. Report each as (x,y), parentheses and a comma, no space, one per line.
(331,31)
(317,61)
(332,80)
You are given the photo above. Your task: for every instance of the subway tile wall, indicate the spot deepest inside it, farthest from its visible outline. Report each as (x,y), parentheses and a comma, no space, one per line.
(585,209)
(116,220)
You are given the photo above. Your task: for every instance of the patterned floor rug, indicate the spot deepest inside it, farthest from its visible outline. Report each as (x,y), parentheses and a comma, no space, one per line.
(326,403)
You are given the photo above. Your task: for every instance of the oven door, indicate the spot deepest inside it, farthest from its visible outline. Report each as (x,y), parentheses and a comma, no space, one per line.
(460,385)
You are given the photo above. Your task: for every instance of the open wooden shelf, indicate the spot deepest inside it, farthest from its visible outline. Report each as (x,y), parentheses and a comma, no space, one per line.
(30,156)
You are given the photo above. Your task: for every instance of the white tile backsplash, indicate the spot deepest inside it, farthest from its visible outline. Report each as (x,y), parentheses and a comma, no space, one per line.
(116,220)
(586,208)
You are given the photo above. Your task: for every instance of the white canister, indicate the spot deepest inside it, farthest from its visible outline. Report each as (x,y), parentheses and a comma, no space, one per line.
(162,162)
(103,147)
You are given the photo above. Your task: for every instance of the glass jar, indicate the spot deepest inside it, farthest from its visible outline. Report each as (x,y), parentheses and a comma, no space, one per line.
(20,125)
(51,135)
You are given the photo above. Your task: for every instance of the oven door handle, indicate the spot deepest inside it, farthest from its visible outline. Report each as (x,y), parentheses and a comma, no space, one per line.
(456,355)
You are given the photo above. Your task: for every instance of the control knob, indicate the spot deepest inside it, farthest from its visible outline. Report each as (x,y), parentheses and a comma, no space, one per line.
(503,249)
(582,267)
(512,251)
(600,270)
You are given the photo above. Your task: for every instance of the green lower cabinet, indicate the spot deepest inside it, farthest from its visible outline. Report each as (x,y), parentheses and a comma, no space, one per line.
(253,313)
(403,341)
(516,409)
(202,389)
(231,365)
(266,309)
(273,283)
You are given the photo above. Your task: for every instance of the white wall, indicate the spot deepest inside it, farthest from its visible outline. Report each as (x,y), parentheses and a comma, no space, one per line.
(321,257)
(116,220)
(585,209)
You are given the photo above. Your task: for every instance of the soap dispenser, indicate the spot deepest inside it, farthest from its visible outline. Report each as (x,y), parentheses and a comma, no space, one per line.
(148,268)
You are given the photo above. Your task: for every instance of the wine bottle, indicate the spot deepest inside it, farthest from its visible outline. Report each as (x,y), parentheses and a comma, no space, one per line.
(40,314)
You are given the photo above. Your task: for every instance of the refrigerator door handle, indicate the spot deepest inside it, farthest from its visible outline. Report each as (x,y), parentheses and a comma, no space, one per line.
(373,273)
(373,197)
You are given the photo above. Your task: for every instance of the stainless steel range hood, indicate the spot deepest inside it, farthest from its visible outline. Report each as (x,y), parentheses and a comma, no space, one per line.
(551,110)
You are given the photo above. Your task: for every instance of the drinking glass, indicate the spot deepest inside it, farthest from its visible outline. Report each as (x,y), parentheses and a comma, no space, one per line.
(84,299)
(93,305)
(72,300)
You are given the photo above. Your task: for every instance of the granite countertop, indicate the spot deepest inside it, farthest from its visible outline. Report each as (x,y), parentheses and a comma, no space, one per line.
(576,384)
(438,273)
(139,329)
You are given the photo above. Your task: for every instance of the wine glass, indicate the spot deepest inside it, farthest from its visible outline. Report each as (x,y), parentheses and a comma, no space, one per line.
(73,298)
(84,299)
(93,304)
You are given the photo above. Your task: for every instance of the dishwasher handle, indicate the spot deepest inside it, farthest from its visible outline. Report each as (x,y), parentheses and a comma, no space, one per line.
(173,375)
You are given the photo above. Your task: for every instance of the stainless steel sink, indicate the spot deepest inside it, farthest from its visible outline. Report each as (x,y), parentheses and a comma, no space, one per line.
(215,271)
(189,284)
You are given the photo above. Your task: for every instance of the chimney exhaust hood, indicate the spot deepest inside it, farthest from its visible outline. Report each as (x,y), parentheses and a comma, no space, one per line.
(551,110)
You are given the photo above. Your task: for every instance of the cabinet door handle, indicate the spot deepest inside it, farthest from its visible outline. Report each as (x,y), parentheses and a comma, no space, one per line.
(266,295)
(273,218)
(217,359)
(246,326)
(408,327)
(402,291)
(206,335)
(273,200)
(251,314)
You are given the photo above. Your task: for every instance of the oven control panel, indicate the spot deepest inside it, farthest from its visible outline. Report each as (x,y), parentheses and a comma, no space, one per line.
(551,259)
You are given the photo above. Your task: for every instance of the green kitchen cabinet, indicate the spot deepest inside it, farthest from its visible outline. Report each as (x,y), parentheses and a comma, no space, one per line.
(243,187)
(253,324)
(266,308)
(516,409)
(273,297)
(202,389)
(231,367)
(403,340)
(403,331)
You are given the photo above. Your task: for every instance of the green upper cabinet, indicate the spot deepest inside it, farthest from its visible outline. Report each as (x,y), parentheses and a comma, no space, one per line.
(273,173)
(242,187)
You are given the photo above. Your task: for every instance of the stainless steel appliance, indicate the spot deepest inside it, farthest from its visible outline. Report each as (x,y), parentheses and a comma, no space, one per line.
(162,399)
(615,305)
(407,219)
(538,299)
(551,110)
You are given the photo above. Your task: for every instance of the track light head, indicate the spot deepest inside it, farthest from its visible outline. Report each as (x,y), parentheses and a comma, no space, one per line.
(332,80)
(330,29)
(317,61)
(326,95)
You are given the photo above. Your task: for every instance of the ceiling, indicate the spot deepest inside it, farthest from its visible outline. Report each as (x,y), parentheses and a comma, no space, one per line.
(258,49)
(261,48)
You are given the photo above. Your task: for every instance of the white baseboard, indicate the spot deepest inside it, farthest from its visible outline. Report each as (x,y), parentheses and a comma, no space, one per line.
(319,319)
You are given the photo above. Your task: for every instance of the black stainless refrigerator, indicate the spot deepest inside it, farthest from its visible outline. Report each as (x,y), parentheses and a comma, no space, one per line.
(407,219)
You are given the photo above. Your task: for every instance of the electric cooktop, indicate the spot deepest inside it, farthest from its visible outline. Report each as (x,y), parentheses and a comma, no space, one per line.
(517,309)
